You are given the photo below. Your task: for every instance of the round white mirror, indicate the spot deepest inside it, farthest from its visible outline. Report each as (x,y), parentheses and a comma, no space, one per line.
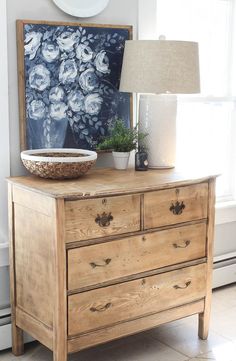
(82,8)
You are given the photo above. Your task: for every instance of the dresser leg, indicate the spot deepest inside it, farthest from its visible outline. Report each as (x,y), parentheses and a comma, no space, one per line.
(59,355)
(203,325)
(60,300)
(17,340)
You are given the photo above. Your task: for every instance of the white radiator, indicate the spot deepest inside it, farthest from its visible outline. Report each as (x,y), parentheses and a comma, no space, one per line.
(224,270)
(5,328)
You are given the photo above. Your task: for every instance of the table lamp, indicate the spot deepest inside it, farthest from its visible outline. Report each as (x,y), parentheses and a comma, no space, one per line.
(160,69)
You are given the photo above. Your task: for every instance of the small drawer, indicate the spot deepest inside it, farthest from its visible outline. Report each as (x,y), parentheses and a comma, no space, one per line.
(103,262)
(122,302)
(177,205)
(101,217)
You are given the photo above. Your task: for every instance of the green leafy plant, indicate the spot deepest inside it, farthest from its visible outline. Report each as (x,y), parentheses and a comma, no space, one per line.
(121,138)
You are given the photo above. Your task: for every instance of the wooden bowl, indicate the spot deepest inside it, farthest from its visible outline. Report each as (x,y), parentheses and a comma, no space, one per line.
(58,163)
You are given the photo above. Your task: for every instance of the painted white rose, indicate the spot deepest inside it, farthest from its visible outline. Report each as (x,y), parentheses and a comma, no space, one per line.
(32,43)
(88,80)
(50,52)
(76,100)
(39,77)
(58,110)
(56,94)
(37,110)
(102,62)
(68,71)
(66,41)
(84,53)
(93,103)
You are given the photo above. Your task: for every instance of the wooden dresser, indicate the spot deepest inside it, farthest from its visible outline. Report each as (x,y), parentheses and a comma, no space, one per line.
(108,255)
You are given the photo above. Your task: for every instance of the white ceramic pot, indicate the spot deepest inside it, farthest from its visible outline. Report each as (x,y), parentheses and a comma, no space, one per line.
(121,159)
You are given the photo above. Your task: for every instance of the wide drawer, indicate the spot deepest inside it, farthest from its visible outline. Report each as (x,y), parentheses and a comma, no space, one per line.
(111,260)
(101,217)
(105,306)
(177,205)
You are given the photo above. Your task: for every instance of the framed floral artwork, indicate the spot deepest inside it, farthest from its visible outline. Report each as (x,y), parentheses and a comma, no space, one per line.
(69,76)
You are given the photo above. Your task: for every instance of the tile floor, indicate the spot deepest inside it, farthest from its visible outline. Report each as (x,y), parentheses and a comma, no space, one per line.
(176,341)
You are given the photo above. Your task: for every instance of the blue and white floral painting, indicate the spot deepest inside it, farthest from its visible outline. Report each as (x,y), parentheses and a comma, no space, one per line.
(72,76)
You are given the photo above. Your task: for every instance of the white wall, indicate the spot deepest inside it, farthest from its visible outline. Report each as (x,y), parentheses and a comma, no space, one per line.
(117,12)
(147,20)
(5,159)
(4,133)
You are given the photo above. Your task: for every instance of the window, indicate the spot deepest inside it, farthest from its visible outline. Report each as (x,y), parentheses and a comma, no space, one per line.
(206,129)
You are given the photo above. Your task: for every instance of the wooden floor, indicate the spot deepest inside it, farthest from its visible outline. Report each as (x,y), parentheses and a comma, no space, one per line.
(176,341)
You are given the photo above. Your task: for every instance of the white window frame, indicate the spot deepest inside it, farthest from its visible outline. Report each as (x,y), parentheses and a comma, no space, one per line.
(147,29)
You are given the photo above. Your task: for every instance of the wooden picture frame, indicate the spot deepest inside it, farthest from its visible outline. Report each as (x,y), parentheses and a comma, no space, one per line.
(68,77)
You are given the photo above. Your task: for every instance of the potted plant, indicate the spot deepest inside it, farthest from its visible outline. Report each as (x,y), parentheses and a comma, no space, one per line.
(121,141)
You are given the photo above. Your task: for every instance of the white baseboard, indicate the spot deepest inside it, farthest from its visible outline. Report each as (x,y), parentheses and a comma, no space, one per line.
(224,275)
(5,337)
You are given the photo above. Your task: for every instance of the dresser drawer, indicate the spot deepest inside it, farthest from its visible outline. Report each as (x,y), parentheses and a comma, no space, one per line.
(129,300)
(176,205)
(103,262)
(93,218)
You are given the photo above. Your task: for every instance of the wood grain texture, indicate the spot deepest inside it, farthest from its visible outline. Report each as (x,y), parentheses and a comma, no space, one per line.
(107,261)
(204,318)
(82,217)
(34,201)
(157,205)
(103,285)
(17,333)
(139,275)
(103,182)
(33,262)
(131,327)
(114,304)
(35,328)
(60,296)
(88,242)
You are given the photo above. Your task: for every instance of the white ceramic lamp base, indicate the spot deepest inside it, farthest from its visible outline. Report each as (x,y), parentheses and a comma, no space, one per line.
(157,117)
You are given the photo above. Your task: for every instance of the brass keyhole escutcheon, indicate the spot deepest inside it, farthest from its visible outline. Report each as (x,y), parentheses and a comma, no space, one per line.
(177,208)
(104,219)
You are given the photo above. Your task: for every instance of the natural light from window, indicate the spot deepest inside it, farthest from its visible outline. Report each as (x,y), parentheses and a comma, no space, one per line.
(206,122)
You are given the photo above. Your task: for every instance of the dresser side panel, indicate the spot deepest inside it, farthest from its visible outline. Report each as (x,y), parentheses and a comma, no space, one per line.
(33,237)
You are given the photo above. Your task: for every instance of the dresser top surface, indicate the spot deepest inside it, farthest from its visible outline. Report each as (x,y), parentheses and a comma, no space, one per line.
(108,181)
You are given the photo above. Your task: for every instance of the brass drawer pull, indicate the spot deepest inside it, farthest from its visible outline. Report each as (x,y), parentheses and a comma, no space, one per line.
(177,208)
(104,219)
(106,262)
(177,287)
(186,244)
(101,308)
